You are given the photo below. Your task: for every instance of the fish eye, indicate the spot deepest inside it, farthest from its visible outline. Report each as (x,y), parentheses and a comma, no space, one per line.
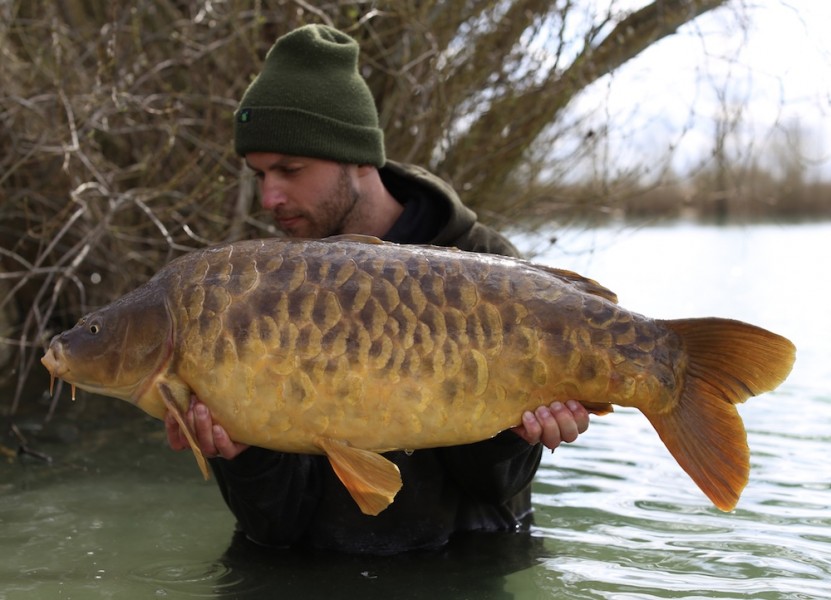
(94,328)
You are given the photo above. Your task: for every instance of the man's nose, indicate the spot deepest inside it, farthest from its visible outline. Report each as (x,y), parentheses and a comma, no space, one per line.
(272,201)
(272,196)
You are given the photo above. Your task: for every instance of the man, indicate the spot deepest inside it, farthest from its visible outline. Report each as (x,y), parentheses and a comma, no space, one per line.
(308,128)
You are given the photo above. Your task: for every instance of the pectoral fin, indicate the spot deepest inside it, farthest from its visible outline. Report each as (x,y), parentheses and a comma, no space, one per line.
(371,479)
(598,408)
(167,398)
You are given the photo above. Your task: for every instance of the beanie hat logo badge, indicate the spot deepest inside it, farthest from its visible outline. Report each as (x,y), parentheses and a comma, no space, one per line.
(244,115)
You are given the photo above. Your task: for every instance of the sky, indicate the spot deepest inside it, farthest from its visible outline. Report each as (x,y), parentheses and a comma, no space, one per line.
(763,64)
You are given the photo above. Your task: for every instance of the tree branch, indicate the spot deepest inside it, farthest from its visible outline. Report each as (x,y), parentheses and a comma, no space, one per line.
(501,135)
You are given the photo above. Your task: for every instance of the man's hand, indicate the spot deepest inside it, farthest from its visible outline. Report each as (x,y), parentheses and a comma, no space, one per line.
(212,439)
(553,425)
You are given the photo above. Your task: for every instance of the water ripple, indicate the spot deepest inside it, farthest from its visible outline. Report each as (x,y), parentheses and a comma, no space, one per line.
(168,572)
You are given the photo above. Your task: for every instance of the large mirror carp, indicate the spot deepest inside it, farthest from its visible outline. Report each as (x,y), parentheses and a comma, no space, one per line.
(351,347)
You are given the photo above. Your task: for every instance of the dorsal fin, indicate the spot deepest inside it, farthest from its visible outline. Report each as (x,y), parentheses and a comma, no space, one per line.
(584,284)
(353,237)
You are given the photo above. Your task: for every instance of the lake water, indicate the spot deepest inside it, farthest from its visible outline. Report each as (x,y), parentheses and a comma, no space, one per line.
(117,515)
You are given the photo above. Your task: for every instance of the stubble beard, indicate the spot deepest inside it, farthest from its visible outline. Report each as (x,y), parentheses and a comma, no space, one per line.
(334,213)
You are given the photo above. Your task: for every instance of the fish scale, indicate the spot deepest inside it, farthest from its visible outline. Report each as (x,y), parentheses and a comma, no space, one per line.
(350,347)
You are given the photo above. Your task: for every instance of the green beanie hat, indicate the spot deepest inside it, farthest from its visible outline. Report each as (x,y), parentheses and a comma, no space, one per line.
(310,100)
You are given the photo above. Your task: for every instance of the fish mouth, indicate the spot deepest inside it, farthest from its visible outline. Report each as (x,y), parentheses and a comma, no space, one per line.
(53,361)
(56,365)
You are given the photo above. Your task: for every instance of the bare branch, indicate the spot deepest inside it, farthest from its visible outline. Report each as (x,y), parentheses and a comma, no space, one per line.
(514,121)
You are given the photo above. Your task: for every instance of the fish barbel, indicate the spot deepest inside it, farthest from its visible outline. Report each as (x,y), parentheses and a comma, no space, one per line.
(350,347)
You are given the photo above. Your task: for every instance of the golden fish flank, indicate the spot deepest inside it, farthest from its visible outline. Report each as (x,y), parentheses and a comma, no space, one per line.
(351,347)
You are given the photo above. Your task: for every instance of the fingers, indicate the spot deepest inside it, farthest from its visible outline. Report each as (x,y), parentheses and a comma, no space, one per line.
(175,439)
(225,447)
(552,425)
(203,429)
(530,430)
(580,414)
(212,439)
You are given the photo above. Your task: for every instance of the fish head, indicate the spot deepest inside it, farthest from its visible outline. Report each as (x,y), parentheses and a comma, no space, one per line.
(115,350)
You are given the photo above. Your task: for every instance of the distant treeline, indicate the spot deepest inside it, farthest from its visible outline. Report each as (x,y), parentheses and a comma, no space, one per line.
(749,197)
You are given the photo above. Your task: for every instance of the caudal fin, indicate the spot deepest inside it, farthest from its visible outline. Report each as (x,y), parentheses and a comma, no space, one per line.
(728,362)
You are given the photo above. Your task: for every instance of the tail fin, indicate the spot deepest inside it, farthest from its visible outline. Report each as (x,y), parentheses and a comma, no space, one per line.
(728,361)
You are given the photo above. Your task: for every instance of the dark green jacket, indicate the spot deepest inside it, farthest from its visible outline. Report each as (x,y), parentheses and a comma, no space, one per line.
(290,499)
(452,223)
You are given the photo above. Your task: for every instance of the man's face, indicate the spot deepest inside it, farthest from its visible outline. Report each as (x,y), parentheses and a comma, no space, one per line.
(308,197)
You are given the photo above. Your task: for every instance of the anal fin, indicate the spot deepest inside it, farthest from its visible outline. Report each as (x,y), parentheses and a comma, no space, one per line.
(372,480)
